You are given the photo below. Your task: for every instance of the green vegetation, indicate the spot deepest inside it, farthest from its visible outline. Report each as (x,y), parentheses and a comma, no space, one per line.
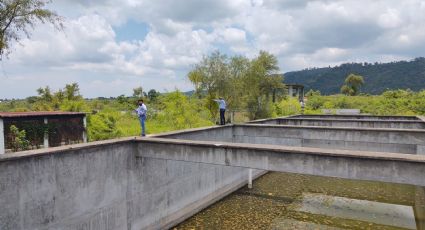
(379,77)
(115,117)
(251,87)
(289,106)
(248,85)
(392,102)
(16,16)
(180,112)
(352,85)
(166,112)
(103,125)
(19,140)
(111,118)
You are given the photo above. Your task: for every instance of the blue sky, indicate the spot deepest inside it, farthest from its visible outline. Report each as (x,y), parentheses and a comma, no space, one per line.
(131,31)
(110,47)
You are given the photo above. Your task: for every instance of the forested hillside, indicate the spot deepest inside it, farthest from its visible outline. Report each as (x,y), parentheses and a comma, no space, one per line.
(377,76)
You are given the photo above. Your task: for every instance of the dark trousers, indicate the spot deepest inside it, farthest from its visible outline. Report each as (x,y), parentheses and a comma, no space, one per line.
(222,119)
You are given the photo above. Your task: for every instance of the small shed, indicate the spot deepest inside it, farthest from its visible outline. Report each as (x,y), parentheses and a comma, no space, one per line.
(296,90)
(43,129)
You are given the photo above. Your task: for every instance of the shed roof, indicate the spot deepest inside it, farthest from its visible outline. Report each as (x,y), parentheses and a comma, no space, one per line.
(295,85)
(39,114)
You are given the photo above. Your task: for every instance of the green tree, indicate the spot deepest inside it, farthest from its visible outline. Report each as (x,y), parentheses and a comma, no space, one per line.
(66,99)
(347,90)
(196,77)
(44,100)
(138,92)
(153,95)
(260,82)
(19,140)
(352,85)
(210,77)
(122,99)
(245,84)
(17,15)
(71,92)
(238,69)
(45,94)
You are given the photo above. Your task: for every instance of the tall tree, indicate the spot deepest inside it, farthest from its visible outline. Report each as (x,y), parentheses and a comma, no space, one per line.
(45,94)
(16,16)
(245,84)
(261,81)
(138,92)
(352,85)
(210,77)
(153,95)
(72,92)
(44,99)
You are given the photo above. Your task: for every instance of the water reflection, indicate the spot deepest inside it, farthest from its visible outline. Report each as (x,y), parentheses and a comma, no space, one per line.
(293,201)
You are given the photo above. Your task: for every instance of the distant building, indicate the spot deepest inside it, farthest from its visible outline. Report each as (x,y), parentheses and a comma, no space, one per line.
(295,90)
(43,129)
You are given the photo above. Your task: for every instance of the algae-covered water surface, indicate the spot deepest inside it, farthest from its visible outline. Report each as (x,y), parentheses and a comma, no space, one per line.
(293,201)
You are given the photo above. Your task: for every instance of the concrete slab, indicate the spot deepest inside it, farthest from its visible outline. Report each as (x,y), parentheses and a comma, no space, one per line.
(378,166)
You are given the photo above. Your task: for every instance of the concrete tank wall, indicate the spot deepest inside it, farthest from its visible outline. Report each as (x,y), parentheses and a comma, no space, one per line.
(396,124)
(104,186)
(367,117)
(380,140)
(399,141)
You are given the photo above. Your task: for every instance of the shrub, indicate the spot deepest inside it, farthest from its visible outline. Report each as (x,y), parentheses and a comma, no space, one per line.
(19,140)
(289,106)
(103,126)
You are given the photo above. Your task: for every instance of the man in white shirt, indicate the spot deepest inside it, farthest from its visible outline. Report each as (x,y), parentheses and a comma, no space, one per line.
(141,113)
(222,106)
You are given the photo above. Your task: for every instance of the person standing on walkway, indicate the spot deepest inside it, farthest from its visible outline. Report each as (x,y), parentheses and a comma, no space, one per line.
(141,113)
(222,105)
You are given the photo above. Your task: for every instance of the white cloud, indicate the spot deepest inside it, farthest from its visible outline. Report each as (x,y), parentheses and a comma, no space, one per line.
(301,33)
(231,35)
(329,54)
(390,19)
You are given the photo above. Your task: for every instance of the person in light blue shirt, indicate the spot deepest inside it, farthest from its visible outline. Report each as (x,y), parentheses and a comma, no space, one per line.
(222,105)
(141,113)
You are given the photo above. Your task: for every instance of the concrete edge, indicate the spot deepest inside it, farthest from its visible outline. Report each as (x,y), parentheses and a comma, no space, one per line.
(216,144)
(354,115)
(62,149)
(269,119)
(350,120)
(188,211)
(387,156)
(65,148)
(331,128)
(170,133)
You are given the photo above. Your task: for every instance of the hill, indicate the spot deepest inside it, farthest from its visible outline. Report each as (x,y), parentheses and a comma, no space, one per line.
(378,76)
